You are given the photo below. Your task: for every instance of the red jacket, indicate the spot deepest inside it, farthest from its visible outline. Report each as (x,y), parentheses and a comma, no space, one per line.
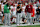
(28,8)
(33,11)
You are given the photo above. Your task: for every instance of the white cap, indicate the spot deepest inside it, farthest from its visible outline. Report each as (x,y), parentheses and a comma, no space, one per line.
(0,3)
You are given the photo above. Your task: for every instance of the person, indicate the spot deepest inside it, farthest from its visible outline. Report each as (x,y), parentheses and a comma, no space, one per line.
(7,14)
(38,13)
(35,7)
(1,15)
(23,13)
(2,5)
(13,13)
(38,3)
(19,9)
(33,11)
(28,11)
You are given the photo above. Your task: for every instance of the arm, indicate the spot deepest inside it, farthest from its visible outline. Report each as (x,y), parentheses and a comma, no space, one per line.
(31,7)
(0,7)
(26,9)
(21,8)
(37,11)
(9,7)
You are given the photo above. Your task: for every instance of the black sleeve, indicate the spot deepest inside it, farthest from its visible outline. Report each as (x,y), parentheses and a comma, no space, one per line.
(37,10)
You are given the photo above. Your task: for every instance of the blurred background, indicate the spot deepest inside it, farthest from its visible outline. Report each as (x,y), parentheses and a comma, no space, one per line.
(35,4)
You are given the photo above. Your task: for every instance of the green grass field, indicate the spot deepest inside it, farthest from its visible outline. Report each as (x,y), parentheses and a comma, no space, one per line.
(30,26)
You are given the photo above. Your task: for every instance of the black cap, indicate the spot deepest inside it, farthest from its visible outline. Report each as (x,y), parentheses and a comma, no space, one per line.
(19,3)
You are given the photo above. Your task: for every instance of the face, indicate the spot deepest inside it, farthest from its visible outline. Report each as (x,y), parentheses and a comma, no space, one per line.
(39,7)
(28,3)
(19,4)
(1,1)
(13,5)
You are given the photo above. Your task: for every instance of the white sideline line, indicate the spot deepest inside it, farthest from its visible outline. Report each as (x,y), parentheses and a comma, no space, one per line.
(29,24)
(14,25)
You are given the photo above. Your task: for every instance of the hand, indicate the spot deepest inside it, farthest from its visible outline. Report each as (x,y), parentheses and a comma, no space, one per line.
(18,9)
(12,10)
(38,11)
(35,14)
(31,13)
(25,13)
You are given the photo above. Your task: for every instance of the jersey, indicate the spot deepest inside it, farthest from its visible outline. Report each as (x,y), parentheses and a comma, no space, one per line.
(13,9)
(23,8)
(2,7)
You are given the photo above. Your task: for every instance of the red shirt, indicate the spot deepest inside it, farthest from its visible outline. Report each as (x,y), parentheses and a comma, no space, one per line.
(28,8)
(39,1)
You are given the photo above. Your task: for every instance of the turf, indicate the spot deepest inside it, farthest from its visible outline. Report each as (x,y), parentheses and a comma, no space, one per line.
(1,24)
(30,26)
(13,23)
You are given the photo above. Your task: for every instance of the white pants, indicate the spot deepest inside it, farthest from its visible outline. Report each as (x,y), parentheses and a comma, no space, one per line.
(23,15)
(29,19)
(37,17)
(18,18)
(7,18)
(1,19)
